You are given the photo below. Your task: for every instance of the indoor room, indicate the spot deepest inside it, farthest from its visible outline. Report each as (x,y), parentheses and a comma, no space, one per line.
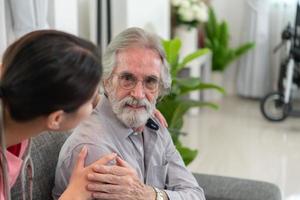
(232,108)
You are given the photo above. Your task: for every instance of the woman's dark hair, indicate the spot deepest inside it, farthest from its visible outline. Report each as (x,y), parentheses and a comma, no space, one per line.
(48,70)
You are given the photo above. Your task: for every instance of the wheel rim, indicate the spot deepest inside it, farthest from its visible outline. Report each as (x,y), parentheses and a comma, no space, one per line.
(274,107)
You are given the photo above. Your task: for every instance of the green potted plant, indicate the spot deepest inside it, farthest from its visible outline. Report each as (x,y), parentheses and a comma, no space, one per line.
(218,39)
(175,105)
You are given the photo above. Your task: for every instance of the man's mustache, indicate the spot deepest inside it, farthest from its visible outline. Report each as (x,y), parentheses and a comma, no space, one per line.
(136,102)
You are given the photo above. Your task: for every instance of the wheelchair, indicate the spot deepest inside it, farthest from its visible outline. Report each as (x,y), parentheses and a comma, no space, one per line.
(278,105)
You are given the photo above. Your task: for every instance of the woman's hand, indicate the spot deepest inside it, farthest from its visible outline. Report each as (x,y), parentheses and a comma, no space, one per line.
(161,118)
(77,188)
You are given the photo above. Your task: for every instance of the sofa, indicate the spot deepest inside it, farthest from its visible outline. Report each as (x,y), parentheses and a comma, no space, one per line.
(45,150)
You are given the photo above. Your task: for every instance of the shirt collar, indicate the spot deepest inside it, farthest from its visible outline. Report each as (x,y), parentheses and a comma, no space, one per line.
(15,163)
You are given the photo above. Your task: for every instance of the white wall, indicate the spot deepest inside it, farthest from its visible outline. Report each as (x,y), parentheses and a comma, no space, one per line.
(231,11)
(151,15)
(84,18)
(65,15)
(3,37)
(119,16)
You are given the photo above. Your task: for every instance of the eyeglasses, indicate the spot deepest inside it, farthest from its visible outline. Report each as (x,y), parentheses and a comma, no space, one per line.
(128,81)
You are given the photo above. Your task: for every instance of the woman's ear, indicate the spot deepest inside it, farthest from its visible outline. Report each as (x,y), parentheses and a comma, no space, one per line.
(55,119)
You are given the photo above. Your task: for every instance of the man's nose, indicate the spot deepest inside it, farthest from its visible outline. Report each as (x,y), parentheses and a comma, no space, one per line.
(138,91)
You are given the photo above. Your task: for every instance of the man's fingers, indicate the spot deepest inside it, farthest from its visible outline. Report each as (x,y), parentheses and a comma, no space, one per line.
(105,178)
(107,188)
(115,170)
(105,159)
(107,196)
(81,158)
(122,163)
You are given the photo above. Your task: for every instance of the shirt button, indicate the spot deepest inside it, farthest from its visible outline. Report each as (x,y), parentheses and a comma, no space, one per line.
(135,133)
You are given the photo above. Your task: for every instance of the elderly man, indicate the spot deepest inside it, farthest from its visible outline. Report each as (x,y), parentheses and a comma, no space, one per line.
(148,166)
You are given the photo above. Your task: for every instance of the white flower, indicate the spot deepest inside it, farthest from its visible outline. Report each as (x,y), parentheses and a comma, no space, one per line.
(185,4)
(186,14)
(176,2)
(202,17)
(202,13)
(195,8)
(191,10)
(203,5)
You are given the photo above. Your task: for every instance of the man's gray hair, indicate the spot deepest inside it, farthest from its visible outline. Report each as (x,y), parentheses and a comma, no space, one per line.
(137,37)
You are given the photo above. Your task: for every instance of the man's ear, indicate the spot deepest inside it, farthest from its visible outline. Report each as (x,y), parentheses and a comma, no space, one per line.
(55,119)
(107,85)
(106,82)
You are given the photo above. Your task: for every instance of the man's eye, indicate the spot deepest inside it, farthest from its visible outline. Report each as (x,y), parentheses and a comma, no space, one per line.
(127,77)
(151,80)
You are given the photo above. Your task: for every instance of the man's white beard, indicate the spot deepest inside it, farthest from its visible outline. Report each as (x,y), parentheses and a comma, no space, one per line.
(129,116)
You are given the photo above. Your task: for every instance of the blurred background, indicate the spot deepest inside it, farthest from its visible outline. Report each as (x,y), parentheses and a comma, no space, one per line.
(250,135)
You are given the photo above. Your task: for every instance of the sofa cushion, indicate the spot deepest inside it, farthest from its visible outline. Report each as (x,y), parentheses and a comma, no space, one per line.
(45,150)
(227,188)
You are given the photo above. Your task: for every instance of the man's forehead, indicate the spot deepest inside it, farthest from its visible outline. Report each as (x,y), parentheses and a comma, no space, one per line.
(144,63)
(138,70)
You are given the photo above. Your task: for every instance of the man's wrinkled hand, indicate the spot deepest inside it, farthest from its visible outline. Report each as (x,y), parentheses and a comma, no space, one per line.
(119,181)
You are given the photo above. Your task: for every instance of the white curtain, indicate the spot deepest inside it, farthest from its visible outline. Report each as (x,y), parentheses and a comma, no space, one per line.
(264,21)
(18,17)
(28,15)
(3,35)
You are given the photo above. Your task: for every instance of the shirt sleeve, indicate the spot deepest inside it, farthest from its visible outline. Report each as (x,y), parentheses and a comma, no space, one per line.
(181,184)
(63,174)
(65,166)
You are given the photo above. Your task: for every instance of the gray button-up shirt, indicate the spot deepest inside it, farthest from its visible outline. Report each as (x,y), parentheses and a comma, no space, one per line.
(153,154)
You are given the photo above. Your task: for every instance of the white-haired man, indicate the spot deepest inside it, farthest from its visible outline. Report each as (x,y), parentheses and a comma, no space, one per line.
(148,166)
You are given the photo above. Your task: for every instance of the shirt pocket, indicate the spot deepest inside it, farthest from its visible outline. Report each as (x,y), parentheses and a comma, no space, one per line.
(157,175)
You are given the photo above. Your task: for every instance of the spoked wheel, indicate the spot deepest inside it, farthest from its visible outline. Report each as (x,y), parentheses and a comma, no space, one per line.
(273,108)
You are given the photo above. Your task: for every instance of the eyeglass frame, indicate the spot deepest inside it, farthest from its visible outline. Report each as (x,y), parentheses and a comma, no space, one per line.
(159,83)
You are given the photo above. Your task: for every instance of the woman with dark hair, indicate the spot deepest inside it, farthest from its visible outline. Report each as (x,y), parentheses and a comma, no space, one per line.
(49,82)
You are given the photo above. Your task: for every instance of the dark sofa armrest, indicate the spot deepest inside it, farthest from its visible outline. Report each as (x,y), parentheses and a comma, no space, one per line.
(227,188)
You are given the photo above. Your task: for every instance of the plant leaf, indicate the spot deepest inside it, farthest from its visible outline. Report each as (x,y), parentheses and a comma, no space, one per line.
(244,48)
(183,107)
(172,48)
(175,105)
(218,39)
(190,84)
(191,57)
(224,36)
(187,154)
